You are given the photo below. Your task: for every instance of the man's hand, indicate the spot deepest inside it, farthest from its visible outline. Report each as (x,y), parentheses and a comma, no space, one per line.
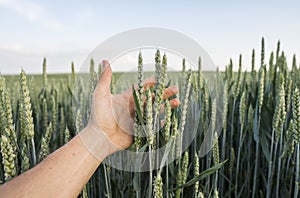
(112,116)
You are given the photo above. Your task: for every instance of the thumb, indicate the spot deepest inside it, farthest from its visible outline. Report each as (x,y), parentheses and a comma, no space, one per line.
(105,78)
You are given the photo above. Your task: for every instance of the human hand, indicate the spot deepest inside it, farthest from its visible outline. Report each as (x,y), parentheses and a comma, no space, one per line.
(110,127)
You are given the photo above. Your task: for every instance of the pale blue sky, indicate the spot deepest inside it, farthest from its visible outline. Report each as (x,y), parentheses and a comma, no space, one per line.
(68,30)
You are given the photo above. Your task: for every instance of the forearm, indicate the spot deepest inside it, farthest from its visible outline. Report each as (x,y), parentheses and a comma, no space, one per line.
(62,174)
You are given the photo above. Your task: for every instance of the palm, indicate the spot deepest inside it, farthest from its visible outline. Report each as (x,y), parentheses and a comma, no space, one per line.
(113,114)
(111,117)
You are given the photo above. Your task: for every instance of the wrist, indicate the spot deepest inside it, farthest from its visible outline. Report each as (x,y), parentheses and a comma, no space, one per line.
(96,142)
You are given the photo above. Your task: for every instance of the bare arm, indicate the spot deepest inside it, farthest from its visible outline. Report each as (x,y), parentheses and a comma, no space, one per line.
(62,174)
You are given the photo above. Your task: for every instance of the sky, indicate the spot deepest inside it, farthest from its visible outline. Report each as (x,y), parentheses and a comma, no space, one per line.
(66,31)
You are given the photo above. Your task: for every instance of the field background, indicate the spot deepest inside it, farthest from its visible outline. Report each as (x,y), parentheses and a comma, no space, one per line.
(256,113)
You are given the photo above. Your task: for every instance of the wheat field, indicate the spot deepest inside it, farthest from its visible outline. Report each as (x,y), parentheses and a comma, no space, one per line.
(255,150)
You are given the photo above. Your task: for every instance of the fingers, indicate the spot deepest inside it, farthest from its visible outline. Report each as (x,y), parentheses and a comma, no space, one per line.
(170,91)
(149,82)
(174,103)
(105,78)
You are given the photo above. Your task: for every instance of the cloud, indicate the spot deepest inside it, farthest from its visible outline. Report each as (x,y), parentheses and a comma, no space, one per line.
(32,12)
(11,47)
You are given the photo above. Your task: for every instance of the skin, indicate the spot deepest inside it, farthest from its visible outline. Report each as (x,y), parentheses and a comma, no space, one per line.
(66,171)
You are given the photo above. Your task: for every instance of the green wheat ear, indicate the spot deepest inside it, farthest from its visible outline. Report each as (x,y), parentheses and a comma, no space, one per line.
(242,108)
(159,85)
(279,115)
(253,71)
(25,164)
(182,173)
(185,163)
(140,74)
(296,116)
(67,135)
(54,107)
(216,151)
(99,71)
(185,101)
(157,68)
(138,125)
(167,120)
(140,98)
(113,85)
(200,75)
(6,120)
(27,116)
(261,85)
(158,186)
(183,65)
(25,98)
(79,121)
(196,173)
(288,93)
(45,79)
(195,86)
(295,71)
(238,81)
(149,118)
(225,105)
(45,143)
(62,126)
(271,67)
(8,158)
(262,55)
(174,136)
